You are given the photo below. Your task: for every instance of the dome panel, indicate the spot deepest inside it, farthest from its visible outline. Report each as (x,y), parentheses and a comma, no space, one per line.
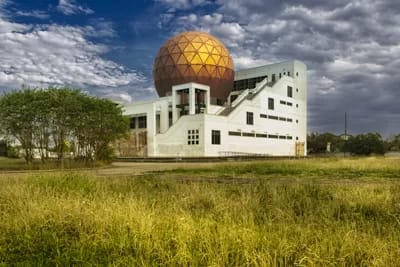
(196,68)
(196,60)
(197,45)
(182,60)
(189,56)
(203,57)
(203,49)
(189,48)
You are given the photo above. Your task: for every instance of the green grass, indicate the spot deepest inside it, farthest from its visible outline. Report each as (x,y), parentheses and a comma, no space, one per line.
(328,212)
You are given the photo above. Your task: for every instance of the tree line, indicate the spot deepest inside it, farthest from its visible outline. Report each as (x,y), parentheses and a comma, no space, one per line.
(61,120)
(362,144)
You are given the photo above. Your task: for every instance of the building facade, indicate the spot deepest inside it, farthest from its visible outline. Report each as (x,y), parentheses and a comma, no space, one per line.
(264,114)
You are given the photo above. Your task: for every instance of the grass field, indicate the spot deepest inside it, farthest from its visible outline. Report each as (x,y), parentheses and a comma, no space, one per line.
(312,212)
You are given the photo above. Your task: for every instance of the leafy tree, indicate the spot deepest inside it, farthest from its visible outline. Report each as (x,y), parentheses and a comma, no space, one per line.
(393,143)
(317,143)
(17,113)
(54,117)
(365,144)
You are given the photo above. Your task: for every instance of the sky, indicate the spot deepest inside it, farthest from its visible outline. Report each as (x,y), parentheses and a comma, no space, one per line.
(107,49)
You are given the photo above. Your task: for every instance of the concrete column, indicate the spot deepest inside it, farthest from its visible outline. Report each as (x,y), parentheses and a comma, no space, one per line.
(164,117)
(174,109)
(192,100)
(207,100)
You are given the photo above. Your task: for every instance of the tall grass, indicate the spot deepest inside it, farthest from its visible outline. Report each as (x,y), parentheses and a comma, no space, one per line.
(153,220)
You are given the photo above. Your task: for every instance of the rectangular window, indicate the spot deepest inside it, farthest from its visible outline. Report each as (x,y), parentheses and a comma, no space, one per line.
(290,91)
(263,116)
(215,137)
(234,133)
(273,136)
(282,118)
(170,118)
(248,134)
(283,102)
(289,104)
(132,123)
(142,122)
(273,78)
(249,118)
(289,119)
(282,137)
(273,117)
(261,135)
(270,103)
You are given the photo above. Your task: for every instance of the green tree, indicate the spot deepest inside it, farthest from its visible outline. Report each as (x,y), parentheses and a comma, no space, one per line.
(58,118)
(365,144)
(17,113)
(317,143)
(393,143)
(102,123)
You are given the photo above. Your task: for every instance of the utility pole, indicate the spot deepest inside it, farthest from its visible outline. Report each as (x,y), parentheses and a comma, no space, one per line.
(345,124)
(345,134)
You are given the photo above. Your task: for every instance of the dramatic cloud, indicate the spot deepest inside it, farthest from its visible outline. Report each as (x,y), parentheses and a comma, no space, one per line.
(70,7)
(352,50)
(42,55)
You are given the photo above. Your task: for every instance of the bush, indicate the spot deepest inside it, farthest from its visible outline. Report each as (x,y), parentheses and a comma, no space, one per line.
(365,144)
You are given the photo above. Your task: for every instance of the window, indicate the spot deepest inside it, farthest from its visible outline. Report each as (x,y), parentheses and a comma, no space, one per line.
(273,117)
(297,74)
(132,123)
(290,91)
(270,103)
(273,78)
(215,137)
(273,136)
(297,90)
(297,105)
(142,122)
(261,135)
(283,102)
(297,121)
(263,116)
(289,104)
(170,118)
(288,73)
(282,137)
(282,118)
(249,118)
(248,134)
(289,120)
(280,75)
(193,137)
(289,138)
(234,133)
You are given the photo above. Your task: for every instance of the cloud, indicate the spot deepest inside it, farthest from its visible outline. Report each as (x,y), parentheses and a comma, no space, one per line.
(50,54)
(352,51)
(183,4)
(34,13)
(70,7)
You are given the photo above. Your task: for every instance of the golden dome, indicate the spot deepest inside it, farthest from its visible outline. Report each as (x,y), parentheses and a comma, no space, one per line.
(194,57)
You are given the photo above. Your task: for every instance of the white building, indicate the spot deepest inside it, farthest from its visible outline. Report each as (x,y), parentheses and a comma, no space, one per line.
(265,114)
